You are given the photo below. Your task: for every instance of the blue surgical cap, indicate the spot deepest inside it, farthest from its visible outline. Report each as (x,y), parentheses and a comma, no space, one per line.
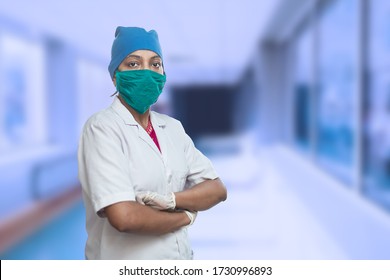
(131,39)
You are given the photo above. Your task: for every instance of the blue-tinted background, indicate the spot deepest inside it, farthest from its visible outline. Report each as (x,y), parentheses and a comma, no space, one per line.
(290,99)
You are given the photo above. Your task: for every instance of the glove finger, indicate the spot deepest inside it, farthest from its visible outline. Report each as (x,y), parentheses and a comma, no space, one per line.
(151,196)
(148,200)
(157,207)
(139,199)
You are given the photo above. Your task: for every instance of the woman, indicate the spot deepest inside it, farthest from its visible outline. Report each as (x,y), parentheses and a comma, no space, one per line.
(143,180)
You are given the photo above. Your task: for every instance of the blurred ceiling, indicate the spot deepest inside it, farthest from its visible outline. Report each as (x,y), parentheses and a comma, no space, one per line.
(202,40)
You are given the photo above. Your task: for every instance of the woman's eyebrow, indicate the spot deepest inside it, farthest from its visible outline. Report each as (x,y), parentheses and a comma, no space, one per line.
(155,57)
(140,57)
(134,56)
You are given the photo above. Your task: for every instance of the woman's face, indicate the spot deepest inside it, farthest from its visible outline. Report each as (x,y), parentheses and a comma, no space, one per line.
(141,60)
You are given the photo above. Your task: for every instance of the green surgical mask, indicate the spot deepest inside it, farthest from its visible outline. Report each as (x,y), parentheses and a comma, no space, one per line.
(139,88)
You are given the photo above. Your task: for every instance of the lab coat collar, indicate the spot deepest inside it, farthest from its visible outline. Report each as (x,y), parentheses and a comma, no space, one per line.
(128,118)
(122,111)
(157,121)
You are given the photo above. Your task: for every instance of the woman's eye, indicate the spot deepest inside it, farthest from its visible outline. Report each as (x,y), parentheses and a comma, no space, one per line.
(133,64)
(156,64)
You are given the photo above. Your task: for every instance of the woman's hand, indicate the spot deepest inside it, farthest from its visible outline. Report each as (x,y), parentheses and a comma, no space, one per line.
(157,201)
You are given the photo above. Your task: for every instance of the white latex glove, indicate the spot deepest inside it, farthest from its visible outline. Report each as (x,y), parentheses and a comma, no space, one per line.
(191,215)
(157,201)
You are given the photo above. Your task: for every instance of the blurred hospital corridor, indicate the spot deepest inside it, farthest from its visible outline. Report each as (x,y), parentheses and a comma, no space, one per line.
(270,215)
(289,99)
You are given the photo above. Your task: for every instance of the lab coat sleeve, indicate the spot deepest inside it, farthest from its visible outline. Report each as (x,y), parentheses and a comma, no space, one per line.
(103,170)
(200,167)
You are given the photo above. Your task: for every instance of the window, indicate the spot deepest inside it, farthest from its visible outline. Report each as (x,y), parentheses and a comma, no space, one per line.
(337,86)
(302,87)
(377,121)
(22,93)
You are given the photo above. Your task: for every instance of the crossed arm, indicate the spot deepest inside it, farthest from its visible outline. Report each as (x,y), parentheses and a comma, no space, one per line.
(130,216)
(201,196)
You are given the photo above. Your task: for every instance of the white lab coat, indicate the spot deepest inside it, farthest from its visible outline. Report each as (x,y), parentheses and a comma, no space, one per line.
(118,159)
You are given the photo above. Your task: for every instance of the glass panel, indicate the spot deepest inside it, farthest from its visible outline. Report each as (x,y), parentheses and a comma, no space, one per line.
(338,32)
(377,126)
(302,85)
(22,93)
